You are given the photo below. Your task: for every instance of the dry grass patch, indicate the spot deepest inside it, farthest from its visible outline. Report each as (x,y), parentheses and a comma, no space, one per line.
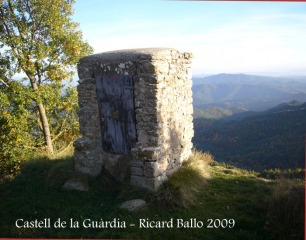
(182,187)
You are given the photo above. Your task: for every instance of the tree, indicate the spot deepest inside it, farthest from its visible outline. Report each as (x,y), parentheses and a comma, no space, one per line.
(40,40)
(16,126)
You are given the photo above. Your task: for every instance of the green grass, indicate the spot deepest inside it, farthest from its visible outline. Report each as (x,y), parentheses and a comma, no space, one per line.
(286,203)
(202,189)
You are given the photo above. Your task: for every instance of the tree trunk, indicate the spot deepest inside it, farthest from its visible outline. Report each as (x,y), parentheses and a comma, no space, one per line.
(46,129)
(44,120)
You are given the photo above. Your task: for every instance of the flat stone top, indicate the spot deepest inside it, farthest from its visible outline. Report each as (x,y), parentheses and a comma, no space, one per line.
(150,53)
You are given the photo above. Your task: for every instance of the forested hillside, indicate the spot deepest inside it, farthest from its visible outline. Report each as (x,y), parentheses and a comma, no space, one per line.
(270,139)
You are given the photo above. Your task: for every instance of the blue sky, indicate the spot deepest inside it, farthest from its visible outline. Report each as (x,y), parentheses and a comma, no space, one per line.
(225,37)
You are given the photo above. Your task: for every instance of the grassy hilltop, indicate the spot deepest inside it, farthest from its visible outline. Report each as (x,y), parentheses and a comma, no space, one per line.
(202,189)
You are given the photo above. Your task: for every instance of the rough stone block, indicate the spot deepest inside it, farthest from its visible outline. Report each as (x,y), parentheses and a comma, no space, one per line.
(148,183)
(76,184)
(155,169)
(133,205)
(82,144)
(137,171)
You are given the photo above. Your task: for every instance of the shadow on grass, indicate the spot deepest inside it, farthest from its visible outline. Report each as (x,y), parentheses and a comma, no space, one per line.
(37,194)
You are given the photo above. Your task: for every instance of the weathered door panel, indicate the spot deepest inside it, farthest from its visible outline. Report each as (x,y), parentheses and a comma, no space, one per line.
(115,96)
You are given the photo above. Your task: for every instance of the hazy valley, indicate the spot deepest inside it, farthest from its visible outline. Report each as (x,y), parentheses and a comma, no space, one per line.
(252,122)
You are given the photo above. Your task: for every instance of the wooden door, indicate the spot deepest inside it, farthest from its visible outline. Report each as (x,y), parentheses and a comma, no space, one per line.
(115,96)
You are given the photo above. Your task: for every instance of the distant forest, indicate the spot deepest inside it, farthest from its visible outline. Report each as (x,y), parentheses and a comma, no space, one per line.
(254,140)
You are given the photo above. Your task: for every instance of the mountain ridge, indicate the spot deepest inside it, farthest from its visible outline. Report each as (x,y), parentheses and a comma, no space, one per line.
(255,93)
(270,139)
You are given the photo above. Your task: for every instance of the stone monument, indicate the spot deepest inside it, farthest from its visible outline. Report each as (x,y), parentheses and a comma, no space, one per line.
(135,114)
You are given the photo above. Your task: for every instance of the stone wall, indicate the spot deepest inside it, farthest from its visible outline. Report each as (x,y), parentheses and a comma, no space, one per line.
(163,113)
